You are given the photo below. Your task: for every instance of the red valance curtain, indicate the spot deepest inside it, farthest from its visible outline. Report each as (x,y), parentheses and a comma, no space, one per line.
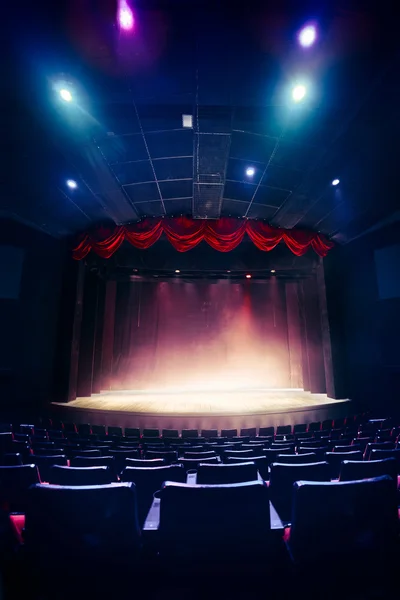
(185,233)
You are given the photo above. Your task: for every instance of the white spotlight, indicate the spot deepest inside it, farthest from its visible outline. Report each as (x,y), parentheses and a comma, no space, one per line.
(307,36)
(66,95)
(335,181)
(250,171)
(72,184)
(177,271)
(298,93)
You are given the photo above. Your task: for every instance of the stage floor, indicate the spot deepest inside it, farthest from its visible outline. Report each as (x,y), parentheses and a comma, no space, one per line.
(203,409)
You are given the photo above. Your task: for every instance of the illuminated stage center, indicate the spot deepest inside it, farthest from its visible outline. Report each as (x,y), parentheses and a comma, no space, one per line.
(181,409)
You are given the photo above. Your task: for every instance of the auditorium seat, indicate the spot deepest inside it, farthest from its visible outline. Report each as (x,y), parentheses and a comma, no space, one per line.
(151,433)
(190,433)
(266,431)
(94,461)
(300,428)
(271,454)
(353,470)
(150,480)
(335,460)
(377,446)
(14,483)
(224,474)
(132,432)
(99,430)
(327,424)
(169,456)
(261,463)
(148,463)
(84,429)
(346,448)
(81,538)
(170,433)
(209,433)
(345,530)
(6,438)
(44,464)
(228,433)
(215,529)
(199,455)
(380,454)
(9,460)
(90,452)
(60,475)
(283,429)
(193,464)
(244,454)
(248,432)
(295,459)
(283,476)
(121,456)
(71,428)
(115,432)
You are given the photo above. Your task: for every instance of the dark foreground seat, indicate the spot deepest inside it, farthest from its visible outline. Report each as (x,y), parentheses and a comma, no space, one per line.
(14,484)
(92,529)
(346,528)
(215,528)
(60,475)
(355,470)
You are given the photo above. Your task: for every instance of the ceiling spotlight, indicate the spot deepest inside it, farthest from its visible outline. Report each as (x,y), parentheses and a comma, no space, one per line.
(335,181)
(72,184)
(65,95)
(298,93)
(177,271)
(248,276)
(307,36)
(273,271)
(125,16)
(250,171)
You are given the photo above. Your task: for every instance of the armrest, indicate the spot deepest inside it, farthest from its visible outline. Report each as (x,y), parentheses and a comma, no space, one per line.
(153,516)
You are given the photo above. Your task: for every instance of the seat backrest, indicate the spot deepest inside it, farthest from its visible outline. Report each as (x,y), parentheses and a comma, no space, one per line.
(261,463)
(94,461)
(170,433)
(190,433)
(377,446)
(240,453)
(283,429)
(353,470)
(14,483)
(248,432)
(283,476)
(193,463)
(149,463)
(204,520)
(9,460)
(266,431)
(271,454)
(228,433)
(167,455)
(44,464)
(209,433)
(151,433)
(223,474)
(300,427)
(379,454)
(60,475)
(340,520)
(335,460)
(295,459)
(199,455)
(100,520)
(132,432)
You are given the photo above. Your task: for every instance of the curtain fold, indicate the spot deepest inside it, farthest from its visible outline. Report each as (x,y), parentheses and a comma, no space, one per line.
(184,233)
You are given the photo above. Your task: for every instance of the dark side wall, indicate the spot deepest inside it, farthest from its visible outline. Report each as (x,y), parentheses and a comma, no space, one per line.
(365,328)
(28,323)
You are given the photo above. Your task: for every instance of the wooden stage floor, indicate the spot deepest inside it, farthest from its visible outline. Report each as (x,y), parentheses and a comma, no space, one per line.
(203,409)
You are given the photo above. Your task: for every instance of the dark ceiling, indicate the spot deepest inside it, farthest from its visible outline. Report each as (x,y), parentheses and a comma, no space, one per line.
(122,138)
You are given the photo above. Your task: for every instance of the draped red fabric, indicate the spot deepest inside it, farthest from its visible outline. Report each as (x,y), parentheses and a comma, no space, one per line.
(185,233)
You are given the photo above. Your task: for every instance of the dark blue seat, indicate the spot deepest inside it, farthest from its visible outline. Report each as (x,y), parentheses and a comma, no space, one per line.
(224,474)
(60,475)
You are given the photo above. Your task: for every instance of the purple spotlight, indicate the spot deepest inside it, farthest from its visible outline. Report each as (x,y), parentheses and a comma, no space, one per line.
(125,16)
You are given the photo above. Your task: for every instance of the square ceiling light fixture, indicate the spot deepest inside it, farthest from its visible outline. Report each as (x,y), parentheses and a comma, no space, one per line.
(187,121)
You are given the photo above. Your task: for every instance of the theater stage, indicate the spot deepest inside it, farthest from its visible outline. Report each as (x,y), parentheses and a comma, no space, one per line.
(207,409)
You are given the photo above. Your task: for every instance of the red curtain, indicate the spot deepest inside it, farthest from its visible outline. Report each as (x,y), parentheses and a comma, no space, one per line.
(185,233)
